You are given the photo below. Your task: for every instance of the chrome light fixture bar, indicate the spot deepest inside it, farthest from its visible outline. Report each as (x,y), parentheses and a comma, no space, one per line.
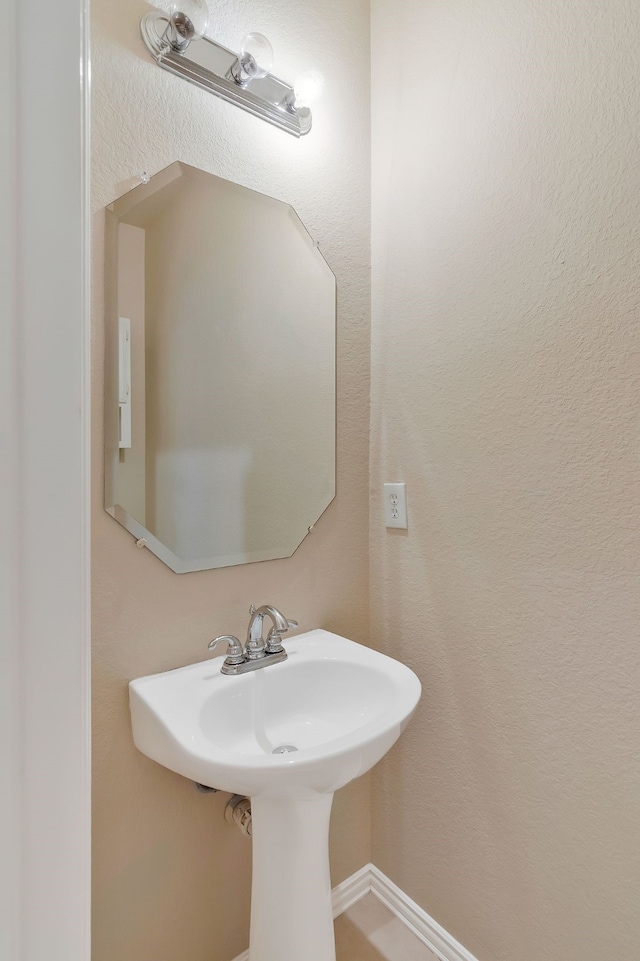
(213,67)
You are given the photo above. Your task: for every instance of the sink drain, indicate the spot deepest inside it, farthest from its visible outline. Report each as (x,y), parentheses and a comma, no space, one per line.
(284,749)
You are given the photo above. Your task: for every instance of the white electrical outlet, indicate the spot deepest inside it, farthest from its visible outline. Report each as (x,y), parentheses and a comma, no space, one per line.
(395,506)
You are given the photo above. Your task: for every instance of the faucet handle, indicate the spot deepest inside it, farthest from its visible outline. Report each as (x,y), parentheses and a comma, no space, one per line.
(274,637)
(274,642)
(235,654)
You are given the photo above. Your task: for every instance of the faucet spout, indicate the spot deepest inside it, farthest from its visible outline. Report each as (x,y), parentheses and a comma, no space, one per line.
(279,620)
(256,647)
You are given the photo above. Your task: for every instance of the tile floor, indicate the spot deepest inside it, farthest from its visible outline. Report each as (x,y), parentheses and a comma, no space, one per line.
(368,931)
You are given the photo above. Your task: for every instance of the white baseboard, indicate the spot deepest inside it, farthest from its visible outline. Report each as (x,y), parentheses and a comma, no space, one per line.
(369,880)
(425,928)
(351,890)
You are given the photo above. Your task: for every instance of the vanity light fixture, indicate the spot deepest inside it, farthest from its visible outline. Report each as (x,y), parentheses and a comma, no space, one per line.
(241,78)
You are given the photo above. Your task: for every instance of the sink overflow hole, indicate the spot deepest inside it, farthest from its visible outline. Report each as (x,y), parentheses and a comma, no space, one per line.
(284,749)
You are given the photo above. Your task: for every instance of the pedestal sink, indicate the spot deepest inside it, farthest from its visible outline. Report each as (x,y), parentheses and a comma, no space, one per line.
(330,712)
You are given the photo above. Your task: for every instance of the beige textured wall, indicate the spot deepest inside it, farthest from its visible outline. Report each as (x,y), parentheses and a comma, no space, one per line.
(171,878)
(506,358)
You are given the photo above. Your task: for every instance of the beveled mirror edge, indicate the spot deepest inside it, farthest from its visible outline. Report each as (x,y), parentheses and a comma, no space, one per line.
(179,566)
(134,196)
(110,413)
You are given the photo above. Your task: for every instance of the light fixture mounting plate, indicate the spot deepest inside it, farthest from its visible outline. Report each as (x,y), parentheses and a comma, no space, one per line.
(207,64)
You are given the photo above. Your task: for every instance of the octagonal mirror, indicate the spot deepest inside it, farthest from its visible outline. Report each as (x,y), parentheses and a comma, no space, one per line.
(220,372)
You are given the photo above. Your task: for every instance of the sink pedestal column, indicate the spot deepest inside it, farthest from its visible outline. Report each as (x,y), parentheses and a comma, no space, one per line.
(291,909)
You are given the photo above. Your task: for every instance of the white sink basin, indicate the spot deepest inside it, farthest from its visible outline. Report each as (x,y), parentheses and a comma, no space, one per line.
(339,704)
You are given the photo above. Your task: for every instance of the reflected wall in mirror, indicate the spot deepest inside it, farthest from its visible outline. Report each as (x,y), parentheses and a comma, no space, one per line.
(220,380)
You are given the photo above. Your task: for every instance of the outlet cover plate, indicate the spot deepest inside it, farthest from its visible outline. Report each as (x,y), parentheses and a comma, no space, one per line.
(395,506)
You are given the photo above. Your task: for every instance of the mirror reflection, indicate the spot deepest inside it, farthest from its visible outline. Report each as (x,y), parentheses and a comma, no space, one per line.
(220,387)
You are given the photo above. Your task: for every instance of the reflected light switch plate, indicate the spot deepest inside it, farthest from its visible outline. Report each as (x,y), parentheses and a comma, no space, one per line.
(124,382)
(395,506)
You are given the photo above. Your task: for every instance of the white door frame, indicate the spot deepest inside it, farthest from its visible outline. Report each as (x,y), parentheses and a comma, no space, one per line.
(44,483)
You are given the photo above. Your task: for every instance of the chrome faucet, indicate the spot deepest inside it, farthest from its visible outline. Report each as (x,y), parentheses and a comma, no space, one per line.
(257,652)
